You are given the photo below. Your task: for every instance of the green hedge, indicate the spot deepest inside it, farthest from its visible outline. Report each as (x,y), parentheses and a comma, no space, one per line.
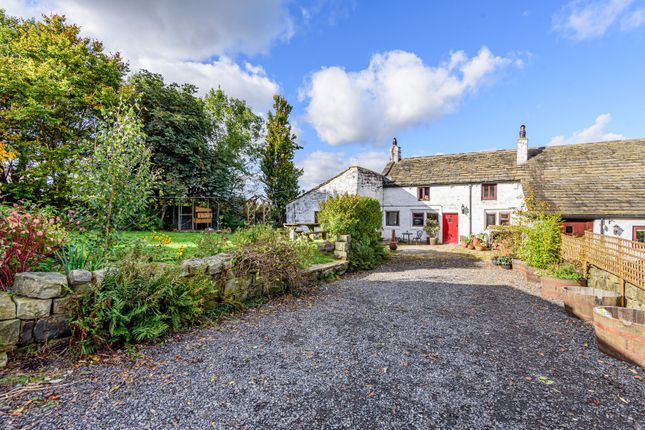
(359,217)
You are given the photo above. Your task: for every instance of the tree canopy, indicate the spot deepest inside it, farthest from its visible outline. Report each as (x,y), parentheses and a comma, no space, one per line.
(280,175)
(53,85)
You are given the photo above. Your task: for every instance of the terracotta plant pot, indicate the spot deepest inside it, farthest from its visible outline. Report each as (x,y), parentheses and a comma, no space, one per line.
(551,288)
(471,246)
(620,332)
(580,301)
(433,240)
(476,241)
(464,244)
(393,246)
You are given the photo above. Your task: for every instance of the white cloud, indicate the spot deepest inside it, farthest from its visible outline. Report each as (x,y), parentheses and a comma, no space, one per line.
(396,91)
(189,41)
(593,133)
(633,20)
(321,165)
(250,83)
(580,20)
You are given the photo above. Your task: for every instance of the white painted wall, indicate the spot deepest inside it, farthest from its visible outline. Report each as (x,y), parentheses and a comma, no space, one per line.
(449,199)
(353,181)
(623,226)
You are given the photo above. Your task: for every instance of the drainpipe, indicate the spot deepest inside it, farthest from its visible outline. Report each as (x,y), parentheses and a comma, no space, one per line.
(470,209)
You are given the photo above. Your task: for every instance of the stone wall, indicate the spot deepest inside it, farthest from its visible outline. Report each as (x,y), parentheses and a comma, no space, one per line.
(33,312)
(219,267)
(598,278)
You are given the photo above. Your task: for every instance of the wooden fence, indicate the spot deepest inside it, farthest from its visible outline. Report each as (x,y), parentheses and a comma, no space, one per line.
(623,258)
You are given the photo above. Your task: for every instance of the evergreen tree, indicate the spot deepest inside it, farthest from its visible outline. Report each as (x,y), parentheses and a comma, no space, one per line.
(280,175)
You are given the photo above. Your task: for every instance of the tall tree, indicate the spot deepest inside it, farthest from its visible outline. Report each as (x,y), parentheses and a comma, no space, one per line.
(53,85)
(116,182)
(280,175)
(177,130)
(234,143)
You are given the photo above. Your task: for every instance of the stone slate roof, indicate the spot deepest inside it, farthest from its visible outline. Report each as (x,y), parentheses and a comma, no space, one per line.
(583,180)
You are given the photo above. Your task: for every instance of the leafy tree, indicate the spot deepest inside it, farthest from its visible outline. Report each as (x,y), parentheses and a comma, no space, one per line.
(177,130)
(115,182)
(234,147)
(53,85)
(280,175)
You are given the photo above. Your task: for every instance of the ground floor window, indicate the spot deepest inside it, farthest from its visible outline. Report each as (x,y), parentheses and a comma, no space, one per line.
(491,219)
(417,219)
(639,233)
(392,218)
(498,218)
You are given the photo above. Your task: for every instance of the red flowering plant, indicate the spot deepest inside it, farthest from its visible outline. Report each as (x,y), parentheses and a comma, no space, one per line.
(27,237)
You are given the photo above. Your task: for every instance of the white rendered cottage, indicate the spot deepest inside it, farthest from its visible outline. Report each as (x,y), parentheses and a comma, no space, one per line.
(595,186)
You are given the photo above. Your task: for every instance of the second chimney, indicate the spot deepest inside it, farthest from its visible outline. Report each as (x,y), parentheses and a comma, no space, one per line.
(395,152)
(522,147)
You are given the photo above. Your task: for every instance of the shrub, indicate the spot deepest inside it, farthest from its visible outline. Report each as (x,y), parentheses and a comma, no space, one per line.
(541,235)
(27,237)
(562,271)
(82,251)
(359,217)
(273,263)
(259,233)
(135,302)
(212,243)
(506,239)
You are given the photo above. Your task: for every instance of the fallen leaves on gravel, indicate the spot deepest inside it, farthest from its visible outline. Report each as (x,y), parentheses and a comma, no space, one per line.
(545,380)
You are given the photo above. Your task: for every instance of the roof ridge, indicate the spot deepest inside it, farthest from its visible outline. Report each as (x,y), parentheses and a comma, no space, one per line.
(617,141)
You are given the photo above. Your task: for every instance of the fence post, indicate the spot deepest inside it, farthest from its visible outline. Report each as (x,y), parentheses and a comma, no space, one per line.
(621,271)
(585,249)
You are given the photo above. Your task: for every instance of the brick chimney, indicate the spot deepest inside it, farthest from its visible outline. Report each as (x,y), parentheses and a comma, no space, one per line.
(522,147)
(395,152)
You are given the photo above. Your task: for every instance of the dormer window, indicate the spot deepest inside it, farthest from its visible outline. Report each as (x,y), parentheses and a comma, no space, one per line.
(489,191)
(423,193)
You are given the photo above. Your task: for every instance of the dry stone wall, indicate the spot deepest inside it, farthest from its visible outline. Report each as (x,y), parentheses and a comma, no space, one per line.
(34,311)
(598,278)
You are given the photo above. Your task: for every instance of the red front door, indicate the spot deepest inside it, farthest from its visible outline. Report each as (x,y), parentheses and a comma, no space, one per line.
(450,227)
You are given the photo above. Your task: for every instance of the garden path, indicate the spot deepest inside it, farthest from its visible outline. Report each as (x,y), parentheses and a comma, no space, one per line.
(428,340)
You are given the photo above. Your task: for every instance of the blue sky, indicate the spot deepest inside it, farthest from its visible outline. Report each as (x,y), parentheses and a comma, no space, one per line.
(442,77)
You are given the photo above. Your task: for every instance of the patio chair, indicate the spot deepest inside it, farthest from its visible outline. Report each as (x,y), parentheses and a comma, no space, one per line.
(417,238)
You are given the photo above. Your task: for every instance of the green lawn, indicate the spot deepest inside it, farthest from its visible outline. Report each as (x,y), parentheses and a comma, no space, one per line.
(179,241)
(187,242)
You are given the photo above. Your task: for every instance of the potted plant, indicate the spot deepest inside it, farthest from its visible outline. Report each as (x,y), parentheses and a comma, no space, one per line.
(393,244)
(479,242)
(475,239)
(468,241)
(505,261)
(432,229)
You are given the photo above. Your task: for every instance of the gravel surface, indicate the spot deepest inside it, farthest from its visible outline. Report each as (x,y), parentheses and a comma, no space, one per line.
(425,341)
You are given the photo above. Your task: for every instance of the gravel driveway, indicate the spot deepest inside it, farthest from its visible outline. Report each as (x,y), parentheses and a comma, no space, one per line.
(422,342)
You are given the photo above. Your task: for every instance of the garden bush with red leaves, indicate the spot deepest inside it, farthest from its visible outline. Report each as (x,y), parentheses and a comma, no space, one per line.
(26,238)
